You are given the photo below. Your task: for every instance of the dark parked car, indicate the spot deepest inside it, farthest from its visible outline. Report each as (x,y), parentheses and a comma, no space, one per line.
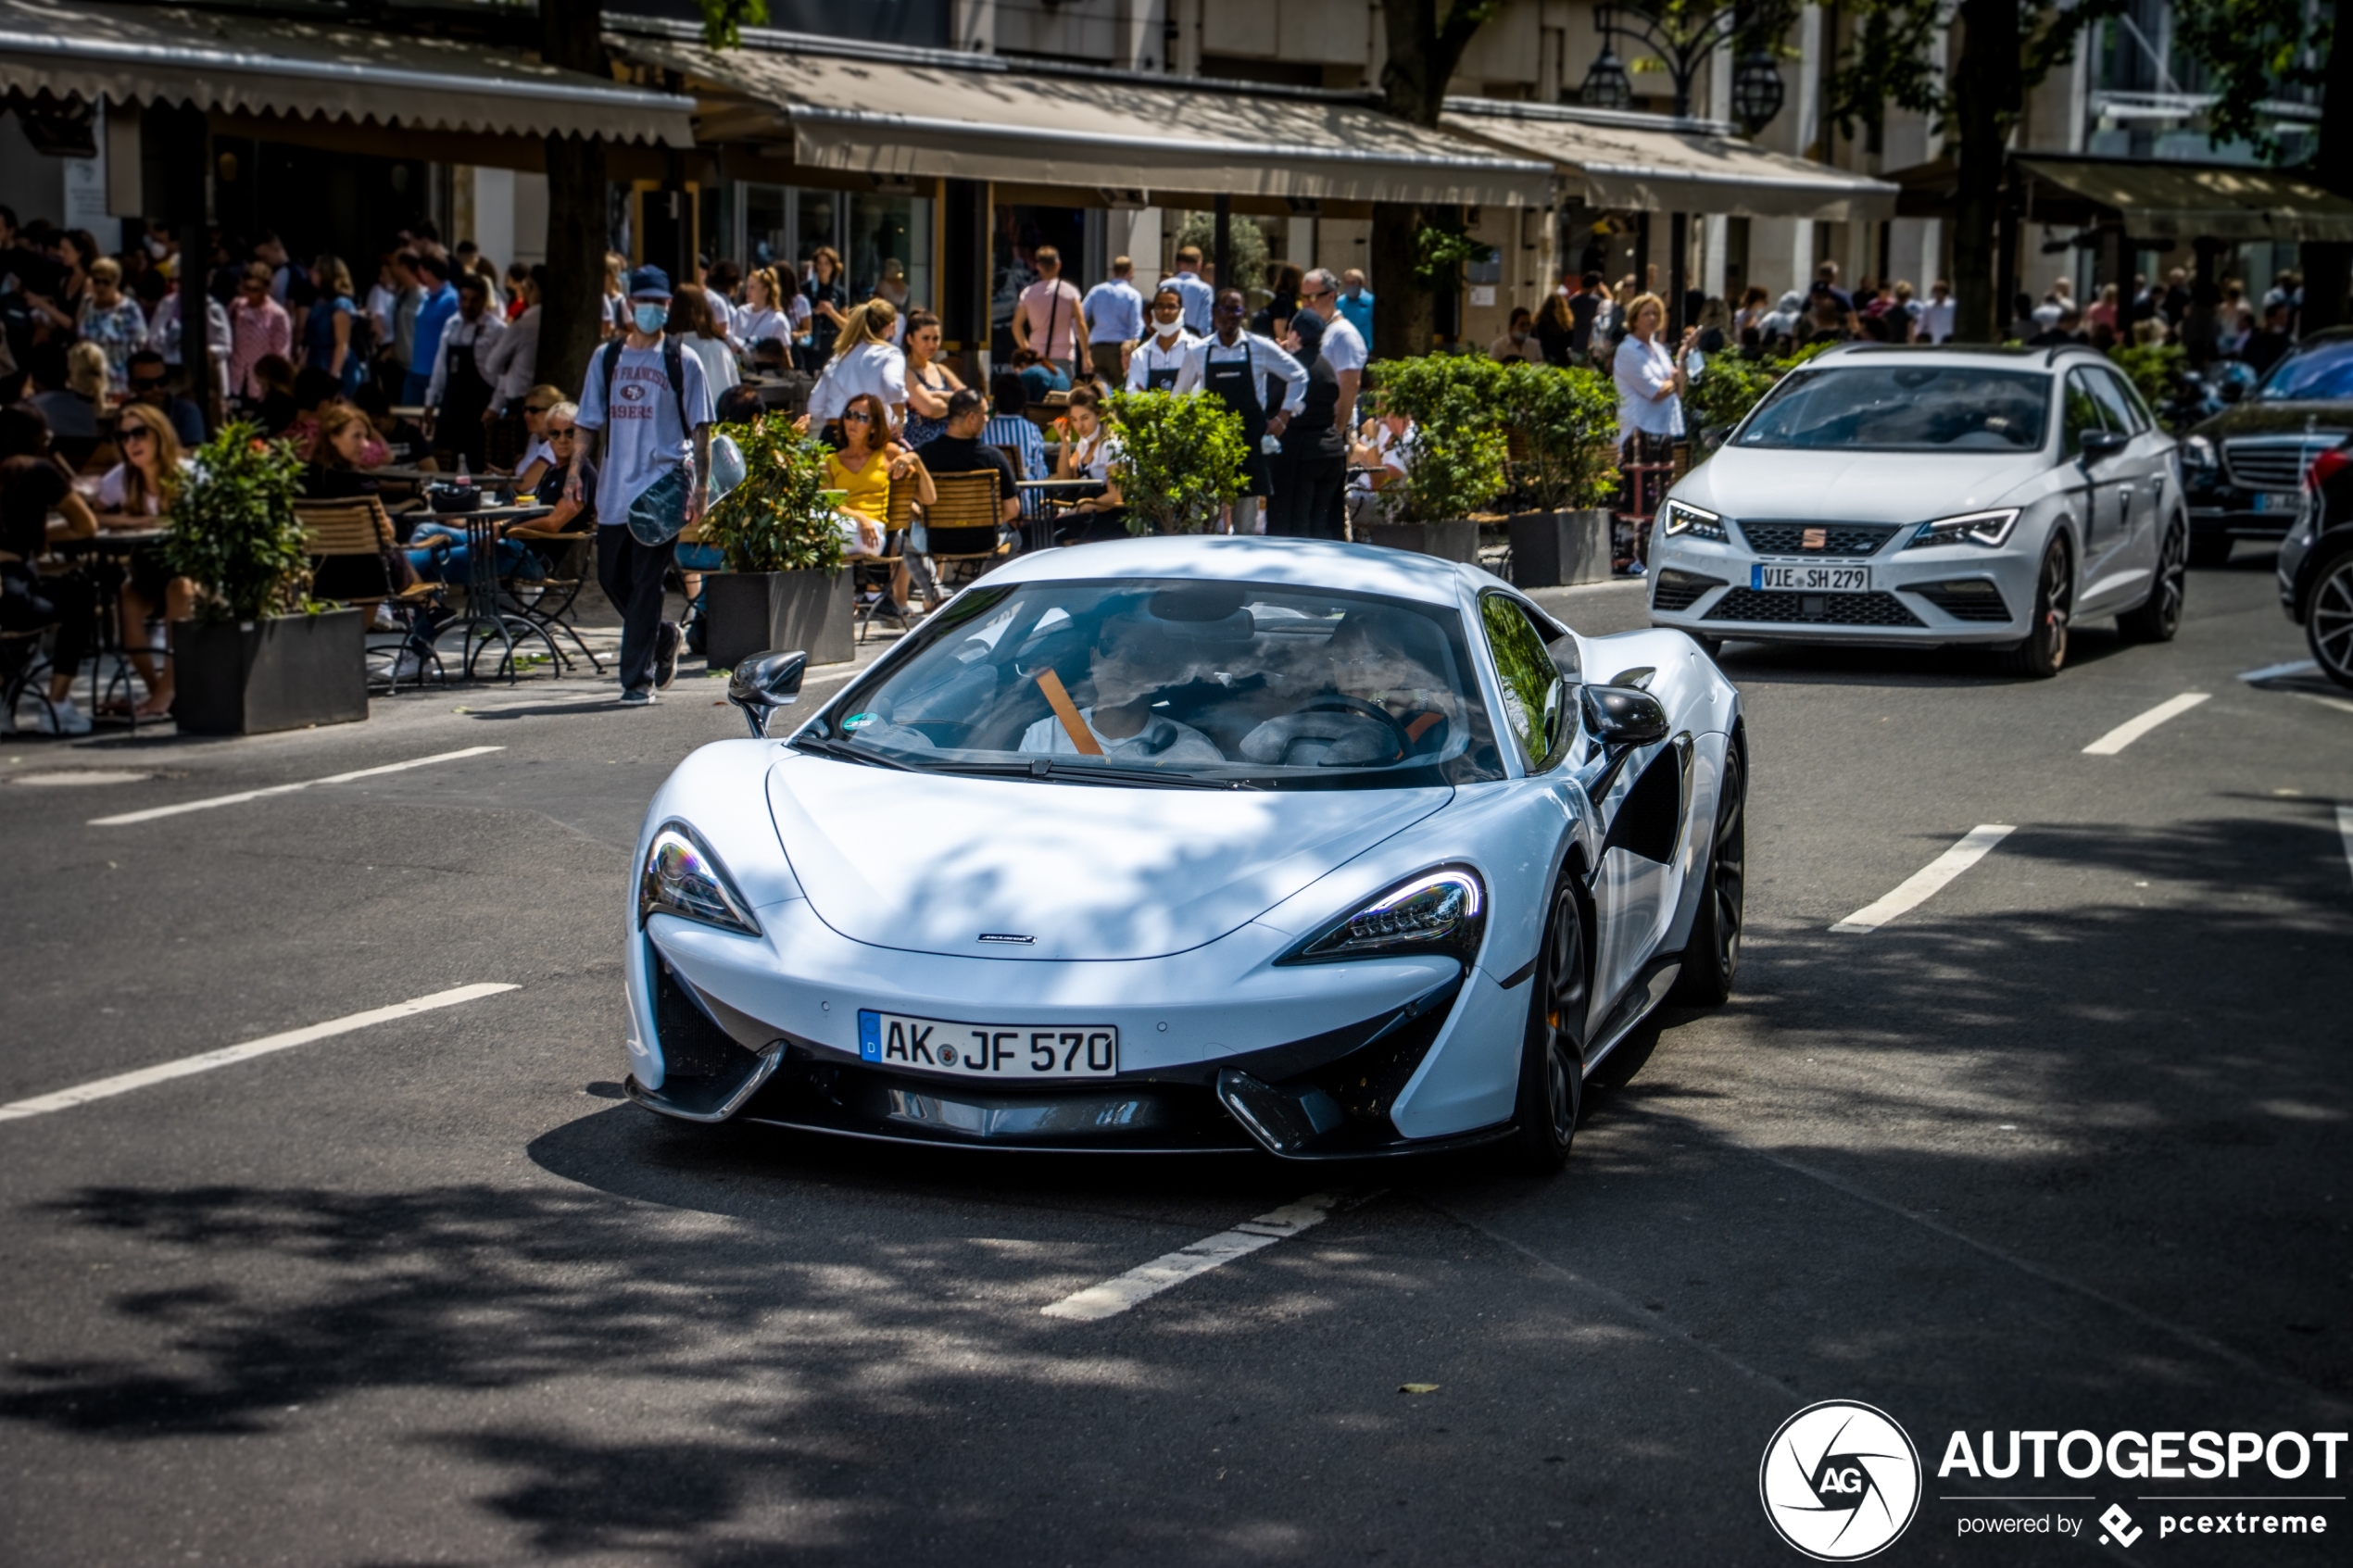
(2316,564)
(2245,467)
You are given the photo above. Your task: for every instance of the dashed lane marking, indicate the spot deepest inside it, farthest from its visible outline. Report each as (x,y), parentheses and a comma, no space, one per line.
(2132,730)
(1140,1284)
(1924,884)
(153,812)
(163,1072)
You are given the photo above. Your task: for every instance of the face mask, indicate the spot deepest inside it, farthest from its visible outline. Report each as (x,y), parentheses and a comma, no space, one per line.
(155,248)
(650,318)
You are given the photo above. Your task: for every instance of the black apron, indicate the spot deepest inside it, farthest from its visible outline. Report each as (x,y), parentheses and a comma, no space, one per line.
(1233,382)
(465,397)
(1160,380)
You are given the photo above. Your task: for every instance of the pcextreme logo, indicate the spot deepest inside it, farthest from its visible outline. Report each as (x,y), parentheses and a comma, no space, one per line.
(1840,1481)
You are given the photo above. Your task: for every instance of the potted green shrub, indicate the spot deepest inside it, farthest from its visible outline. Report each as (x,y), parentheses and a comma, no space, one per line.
(1181,458)
(1457,464)
(785,585)
(258,654)
(1564,469)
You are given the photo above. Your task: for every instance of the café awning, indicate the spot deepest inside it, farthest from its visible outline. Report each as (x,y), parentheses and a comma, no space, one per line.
(316,68)
(2186,201)
(1673,166)
(980,120)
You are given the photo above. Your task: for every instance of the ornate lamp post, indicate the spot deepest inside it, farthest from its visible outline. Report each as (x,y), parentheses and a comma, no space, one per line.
(1682,37)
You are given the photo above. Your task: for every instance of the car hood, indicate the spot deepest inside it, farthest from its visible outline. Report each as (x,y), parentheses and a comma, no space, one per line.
(1844,487)
(2254,418)
(929,862)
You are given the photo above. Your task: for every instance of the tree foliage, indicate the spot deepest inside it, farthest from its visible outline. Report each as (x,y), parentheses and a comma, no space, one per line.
(2254,50)
(777,519)
(233,529)
(1460,442)
(1182,456)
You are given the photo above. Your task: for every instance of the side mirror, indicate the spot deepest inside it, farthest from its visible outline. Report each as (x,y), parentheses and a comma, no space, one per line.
(764,682)
(1622,716)
(2097,446)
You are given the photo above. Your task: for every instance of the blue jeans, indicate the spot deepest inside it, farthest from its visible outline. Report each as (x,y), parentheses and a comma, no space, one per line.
(514,559)
(413,389)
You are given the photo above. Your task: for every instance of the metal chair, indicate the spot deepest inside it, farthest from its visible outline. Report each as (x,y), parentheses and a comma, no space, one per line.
(899,519)
(350,544)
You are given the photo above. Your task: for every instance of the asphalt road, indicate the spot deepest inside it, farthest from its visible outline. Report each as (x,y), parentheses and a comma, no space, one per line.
(2062,1147)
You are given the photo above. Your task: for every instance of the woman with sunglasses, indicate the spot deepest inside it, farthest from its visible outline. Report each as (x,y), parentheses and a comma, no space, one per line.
(863,469)
(538,453)
(136,493)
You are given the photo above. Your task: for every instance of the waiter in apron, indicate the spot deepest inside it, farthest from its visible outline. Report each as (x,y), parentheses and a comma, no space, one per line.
(460,394)
(1159,361)
(1233,365)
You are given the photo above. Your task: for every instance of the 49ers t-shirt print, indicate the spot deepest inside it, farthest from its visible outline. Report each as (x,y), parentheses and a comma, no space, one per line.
(643,438)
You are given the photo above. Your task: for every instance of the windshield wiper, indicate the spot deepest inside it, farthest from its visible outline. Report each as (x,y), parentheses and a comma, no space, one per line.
(1049,768)
(826,745)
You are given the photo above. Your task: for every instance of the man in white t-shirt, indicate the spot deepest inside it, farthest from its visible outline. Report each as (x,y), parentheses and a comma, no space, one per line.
(1048,317)
(1114,319)
(1936,313)
(649,450)
(1344,345)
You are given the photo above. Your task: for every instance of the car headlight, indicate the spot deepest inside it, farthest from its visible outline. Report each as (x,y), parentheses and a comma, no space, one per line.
(682,877)
(1971,528)
(1684,517)
(1439,911)
(2197,452)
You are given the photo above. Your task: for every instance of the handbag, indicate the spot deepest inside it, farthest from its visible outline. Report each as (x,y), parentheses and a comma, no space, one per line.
(658,515)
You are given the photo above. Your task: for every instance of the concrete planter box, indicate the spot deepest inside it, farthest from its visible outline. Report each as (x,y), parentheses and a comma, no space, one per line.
(287,673)
(1556,550)
(750,612)
(1457,539)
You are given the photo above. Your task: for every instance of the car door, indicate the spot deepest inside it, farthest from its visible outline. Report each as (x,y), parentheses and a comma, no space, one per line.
(2098,496)
(2138,476)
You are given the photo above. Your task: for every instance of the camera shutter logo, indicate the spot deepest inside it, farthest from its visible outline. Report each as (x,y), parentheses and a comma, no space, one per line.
(1840,1481)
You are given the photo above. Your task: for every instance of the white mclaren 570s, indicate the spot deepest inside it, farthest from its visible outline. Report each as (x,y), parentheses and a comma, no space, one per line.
(1193,844)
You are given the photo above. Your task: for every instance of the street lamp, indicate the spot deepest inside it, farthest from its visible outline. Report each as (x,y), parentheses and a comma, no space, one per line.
(1683,38)
(1756,91)
(1606,86)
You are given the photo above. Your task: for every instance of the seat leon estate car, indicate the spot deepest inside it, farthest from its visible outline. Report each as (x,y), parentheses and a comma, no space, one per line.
(1885,494)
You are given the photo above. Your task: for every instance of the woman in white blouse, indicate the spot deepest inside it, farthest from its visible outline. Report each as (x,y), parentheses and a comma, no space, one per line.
(864,361)
(1650,379)
(759,318)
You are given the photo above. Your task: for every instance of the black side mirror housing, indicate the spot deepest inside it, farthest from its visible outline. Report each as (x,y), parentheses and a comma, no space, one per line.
(1616,716)
(2100,444)
(764,682)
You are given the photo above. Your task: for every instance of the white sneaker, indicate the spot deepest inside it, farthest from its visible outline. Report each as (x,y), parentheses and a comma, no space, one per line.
(385,620)
(409,666)
(63,718)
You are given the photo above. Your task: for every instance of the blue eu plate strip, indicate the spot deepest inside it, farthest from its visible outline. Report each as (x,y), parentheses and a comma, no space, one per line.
(869,1036)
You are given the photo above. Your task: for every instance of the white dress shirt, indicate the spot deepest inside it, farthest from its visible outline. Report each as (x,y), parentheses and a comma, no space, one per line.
(1641,370)
(872,366)
(511,359)
(461,333)
(1266,357)
(1150,356)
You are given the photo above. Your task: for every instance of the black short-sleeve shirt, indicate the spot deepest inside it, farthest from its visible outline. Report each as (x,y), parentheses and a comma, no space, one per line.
(30,487)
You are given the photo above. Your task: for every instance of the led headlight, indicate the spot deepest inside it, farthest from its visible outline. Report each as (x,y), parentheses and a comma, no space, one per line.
(1969,528)
(2198,452)
(1684,517)
(1439,911)
(682,877)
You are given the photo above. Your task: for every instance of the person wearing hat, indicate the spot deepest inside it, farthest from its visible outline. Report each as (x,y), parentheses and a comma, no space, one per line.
(1312,465)
(644,429)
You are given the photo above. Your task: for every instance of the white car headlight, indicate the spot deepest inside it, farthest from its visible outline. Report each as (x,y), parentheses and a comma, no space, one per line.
(1700,524)
(1969,528)
(2198,452)
(1439,911)
(682,877)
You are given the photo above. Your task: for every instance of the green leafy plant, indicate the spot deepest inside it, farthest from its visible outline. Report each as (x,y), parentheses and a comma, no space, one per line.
(1731,384)
(777,519)
(1440,250)
(1182,456)
(1460,443)
(233,531)
(1566,421)
(2152,367)
(1244,239)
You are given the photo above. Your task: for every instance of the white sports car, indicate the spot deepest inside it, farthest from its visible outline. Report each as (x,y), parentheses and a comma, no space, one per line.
(1196,843)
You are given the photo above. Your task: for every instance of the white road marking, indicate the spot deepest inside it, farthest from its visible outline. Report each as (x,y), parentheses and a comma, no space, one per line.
(2281,672)
(2344,832)
(2336,702)
(1926,883)
(1115,1296)
(242,795)
(2132,730)
(124,1083)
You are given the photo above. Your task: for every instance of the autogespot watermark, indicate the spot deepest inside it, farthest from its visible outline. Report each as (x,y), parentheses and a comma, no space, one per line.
(1841,1481)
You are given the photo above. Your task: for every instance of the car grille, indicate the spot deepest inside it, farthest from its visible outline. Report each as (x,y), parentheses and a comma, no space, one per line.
(1972,598)
(1838,538)
(2274,462)
(1815,609)
(1679,590)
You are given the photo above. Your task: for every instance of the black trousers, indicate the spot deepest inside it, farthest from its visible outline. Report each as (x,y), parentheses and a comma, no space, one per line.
(1306,499)
(631,575)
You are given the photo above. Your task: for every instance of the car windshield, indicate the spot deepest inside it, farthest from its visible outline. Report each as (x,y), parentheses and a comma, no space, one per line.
(1908,408)
(1186,683)
(2321,373)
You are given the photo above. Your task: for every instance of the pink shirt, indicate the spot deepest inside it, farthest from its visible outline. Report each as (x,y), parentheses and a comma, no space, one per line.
(255,333)
(1058,303)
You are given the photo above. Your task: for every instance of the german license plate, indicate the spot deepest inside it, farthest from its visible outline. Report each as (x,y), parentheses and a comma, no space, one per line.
(2278,500)
(1811,579)
(988,1051)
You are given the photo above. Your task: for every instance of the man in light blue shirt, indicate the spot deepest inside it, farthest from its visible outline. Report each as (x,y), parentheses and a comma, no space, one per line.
(1199,299)
(1356,303)
(1114,320)
(439,307)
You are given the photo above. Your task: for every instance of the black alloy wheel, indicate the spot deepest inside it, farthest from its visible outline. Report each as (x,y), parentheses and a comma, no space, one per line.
(2157,617)
(1712,957)
(2328,619)
(1552,1069)
(2044,651)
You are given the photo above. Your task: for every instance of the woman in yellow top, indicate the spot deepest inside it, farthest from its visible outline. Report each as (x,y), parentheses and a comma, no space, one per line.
(863,469)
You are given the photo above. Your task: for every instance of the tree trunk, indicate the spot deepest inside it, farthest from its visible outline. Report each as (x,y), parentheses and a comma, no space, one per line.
(1423,49)
(1987,94)
(1404,315)
(571,310)
(2328,266)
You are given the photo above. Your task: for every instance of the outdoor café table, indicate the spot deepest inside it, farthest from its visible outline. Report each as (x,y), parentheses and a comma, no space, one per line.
(486,617)
(104,561)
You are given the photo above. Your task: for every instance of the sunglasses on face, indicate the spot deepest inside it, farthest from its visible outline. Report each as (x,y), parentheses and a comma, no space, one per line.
(861,415)
(564,434)
(535,407)
(131,435)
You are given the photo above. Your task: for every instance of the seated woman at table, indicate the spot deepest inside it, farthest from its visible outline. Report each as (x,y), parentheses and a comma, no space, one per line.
(278,408)
(865,467)
(71,391)
(1088,453)
(33,485)
(346,448)
(135,494)
(315,392)
(538,453)
(930,383)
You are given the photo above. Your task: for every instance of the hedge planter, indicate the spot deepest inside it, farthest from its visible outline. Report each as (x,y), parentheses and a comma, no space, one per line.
(749,612)
(1455,539)
(1556,550)
(232,678)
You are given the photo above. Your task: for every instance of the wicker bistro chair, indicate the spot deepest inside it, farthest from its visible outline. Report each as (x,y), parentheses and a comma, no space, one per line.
(350,544)
(964,527)
(877,569)
(548,602)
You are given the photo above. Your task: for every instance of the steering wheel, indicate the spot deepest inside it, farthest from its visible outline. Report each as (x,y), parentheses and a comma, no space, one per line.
(1341,702)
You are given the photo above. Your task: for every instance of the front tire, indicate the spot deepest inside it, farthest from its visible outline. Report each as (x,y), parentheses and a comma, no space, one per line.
(2328,619)
(1551,1065)
(1712,957)
(2044,651)
(2160,616)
